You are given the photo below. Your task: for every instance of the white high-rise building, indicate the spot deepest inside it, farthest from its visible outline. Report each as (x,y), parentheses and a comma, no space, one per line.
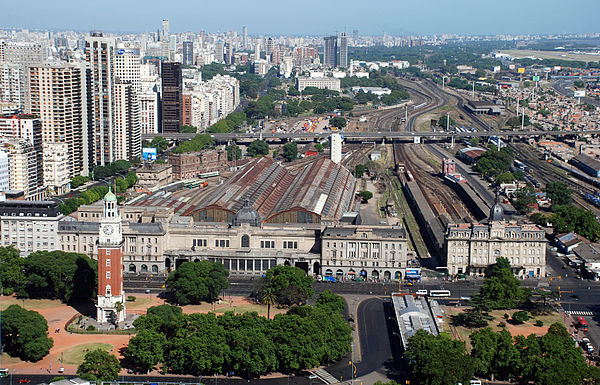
(336,148)
(22,164)
(149,112)
(56,168)
(10,85)
(58,97)
(343,62)
(127,66)
(4,175)
(100,53)
(127,134)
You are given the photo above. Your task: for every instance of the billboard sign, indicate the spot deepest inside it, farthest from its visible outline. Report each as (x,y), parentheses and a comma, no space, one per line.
(417,139)
(579,94)
(149,153)
(413,272)
(536,78)
(521,70)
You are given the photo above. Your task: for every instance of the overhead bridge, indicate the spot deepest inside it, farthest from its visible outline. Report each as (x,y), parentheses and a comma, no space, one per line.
(373,136)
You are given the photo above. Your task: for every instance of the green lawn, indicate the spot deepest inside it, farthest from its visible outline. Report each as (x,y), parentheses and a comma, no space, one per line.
(139,303)
(30,304)
(75,354)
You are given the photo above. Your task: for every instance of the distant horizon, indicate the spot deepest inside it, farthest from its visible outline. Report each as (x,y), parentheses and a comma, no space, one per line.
(308,18)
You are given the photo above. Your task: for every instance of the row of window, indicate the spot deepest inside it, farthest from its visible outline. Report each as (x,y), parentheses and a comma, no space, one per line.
(334,262)
(499,234)
(364,245)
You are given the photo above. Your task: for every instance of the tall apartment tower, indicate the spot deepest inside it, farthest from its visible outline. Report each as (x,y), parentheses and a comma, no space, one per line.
(228,51)
(10,87)
(269,44)
(330,51)
(128,132)
(220,52)
(165,29)
(110,264)
(245,37)
(58,97)
(188,53)
(100,53)
(171,96)
(343,62)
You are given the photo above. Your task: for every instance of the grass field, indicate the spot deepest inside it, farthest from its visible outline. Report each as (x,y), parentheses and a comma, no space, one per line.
(75,354)
(562,55)
(139,303)
(225,307)
(8,360)
(31,304)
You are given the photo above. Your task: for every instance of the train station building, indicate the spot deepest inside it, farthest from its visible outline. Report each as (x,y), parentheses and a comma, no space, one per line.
(470,248)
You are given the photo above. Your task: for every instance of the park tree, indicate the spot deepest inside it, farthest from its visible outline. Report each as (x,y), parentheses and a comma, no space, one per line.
(160,143)
(319,147)
(146,350)
(290,284)
(197,143)
(494,354)
(25,334)
(11,270)
(559,193)
(70,277)
(331,301)
(359,170)
(290,151)
(501,289)
(257,148)
(189,129)
(79,180)
(568,219)
(338,122)
(194,282)
(234,152)
(99,365)
(443,121)
(365,196)
(438,360)
(269,298)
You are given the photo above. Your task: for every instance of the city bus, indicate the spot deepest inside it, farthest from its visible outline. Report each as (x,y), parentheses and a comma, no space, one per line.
(583,325)
(3,373)
(439,293)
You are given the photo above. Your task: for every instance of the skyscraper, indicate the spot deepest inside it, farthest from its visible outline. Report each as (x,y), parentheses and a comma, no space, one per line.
(220,52)
(165,29)
(228,51)
(188,53)
(330,51)
(58,97)
(269,48)
(100,53)
(355,35)
(171,96)
(343,63)
(245,37)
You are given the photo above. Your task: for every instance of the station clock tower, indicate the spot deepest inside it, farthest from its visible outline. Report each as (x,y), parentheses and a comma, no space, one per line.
(111,298)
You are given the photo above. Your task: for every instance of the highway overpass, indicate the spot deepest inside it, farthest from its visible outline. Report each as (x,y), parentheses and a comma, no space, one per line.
(372,136)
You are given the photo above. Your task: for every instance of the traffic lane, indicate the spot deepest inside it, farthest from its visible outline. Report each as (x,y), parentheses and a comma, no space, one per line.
(207,380)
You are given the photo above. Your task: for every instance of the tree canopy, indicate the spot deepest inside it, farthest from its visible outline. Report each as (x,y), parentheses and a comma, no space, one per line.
(290,284)
(257,148)
(246,344)
(338,122)
(493,163)
(99,365)
(559,193)
(568,218)
(197,143)
(25,334)
(193,282)
(501,289)
(290,151)
(69,277)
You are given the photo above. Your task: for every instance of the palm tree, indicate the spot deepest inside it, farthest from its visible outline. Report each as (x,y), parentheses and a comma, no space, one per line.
(269,298)
(119,309)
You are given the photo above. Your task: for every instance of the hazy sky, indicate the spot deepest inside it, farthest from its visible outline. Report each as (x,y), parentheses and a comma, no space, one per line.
(309,17)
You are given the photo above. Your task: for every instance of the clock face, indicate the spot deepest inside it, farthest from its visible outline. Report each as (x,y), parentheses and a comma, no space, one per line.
(108,229)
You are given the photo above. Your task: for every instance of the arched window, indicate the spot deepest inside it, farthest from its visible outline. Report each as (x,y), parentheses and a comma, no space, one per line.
(132,268)
(154,268)
(245,241)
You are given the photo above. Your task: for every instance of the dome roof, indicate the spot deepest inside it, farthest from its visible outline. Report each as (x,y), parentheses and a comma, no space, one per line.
(110,196)
(497,212)
(247,215)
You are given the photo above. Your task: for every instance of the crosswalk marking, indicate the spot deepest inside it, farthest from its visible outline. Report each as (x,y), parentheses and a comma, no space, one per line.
(580,312)
(326,377)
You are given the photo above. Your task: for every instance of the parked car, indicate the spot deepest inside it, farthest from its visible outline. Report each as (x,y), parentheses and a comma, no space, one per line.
(24,381)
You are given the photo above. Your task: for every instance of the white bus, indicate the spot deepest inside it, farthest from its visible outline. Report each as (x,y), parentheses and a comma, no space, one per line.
(439,293)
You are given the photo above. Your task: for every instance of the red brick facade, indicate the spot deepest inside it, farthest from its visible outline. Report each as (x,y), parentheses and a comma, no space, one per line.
(114,267)
(191,165)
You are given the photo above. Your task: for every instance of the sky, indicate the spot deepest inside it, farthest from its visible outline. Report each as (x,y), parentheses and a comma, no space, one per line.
(308,17)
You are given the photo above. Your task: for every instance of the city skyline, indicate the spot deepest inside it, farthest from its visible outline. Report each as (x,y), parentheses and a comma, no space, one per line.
(469,17)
